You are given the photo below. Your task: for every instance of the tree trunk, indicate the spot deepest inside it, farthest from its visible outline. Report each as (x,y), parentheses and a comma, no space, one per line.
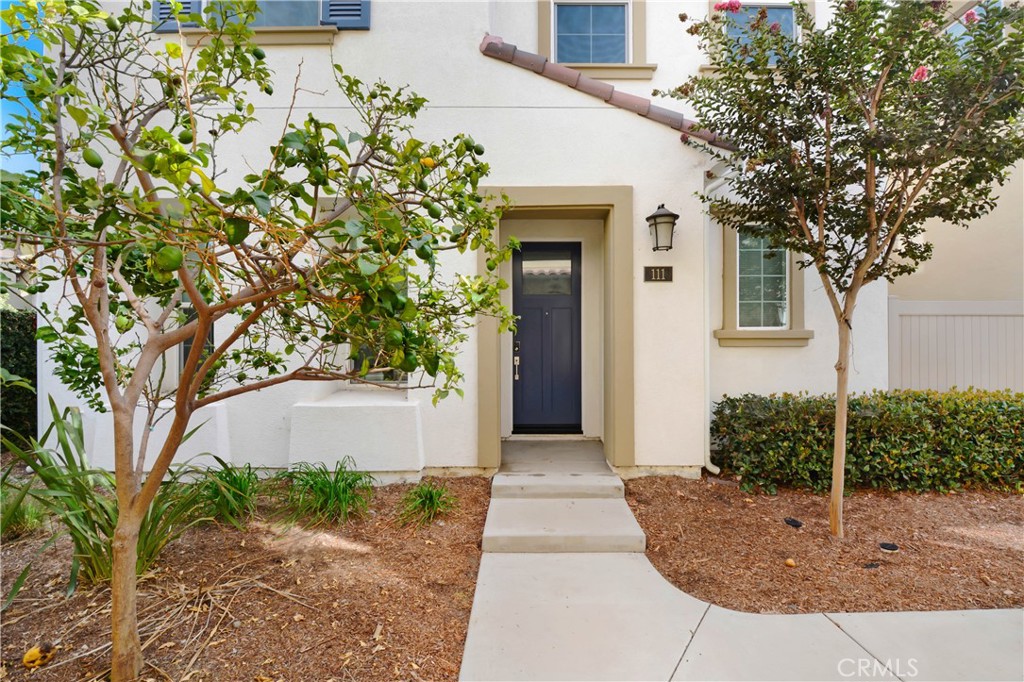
(126,664)
(835,507)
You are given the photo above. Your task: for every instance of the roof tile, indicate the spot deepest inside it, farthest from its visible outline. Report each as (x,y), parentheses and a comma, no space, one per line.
(495,47)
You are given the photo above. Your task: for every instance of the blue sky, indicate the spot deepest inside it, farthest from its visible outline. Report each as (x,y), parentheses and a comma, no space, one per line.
(18,162)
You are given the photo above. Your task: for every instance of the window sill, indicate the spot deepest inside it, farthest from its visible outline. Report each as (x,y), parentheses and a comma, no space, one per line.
(763,337)
(275,35)
(626,72)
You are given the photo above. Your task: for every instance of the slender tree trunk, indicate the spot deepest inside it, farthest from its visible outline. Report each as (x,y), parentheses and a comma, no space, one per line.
(126,664)
(835,507)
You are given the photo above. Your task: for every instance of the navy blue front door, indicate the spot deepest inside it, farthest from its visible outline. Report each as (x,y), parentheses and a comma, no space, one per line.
(546,392)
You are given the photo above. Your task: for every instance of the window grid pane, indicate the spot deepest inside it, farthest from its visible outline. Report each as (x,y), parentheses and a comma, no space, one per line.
(762,284)
(590,34)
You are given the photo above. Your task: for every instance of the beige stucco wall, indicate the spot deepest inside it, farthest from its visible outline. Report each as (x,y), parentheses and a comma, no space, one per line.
(984,262)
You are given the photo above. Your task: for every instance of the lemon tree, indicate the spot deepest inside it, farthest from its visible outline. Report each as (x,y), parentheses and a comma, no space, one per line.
(334,251)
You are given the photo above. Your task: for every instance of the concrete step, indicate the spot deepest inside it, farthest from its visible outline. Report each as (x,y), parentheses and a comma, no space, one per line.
(561,525)
(555,485)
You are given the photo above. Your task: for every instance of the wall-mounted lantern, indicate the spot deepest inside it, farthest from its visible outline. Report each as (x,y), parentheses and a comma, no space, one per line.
(663,226)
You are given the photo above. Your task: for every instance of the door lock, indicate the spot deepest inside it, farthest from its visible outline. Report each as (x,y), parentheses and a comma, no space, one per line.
(515,368)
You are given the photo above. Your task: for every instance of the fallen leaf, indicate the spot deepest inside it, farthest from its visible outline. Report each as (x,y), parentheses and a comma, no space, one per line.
(378,631)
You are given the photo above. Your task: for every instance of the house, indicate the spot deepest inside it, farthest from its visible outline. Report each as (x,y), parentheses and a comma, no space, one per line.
(618,342)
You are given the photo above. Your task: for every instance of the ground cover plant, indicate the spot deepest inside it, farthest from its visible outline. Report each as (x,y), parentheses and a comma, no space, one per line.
(847,139)
(134,244)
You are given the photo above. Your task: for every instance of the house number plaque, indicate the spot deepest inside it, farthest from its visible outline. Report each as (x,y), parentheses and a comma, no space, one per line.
(657,273)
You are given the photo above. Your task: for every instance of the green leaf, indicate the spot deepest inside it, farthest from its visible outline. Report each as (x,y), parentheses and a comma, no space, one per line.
(261,200)
(173,50)
(366,266)
(79,115)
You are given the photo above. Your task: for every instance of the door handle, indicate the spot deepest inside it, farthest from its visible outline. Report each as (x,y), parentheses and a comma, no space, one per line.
(515,368)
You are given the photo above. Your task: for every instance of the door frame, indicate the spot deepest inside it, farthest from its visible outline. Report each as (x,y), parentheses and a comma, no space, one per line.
(613,205)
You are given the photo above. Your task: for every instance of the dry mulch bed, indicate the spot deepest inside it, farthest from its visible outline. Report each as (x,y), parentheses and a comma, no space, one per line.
(964,550)
(369,600)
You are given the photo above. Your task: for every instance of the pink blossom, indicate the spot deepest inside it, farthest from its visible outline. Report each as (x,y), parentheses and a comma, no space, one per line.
(970,17)
(774,28)
(921,73)
(729,6)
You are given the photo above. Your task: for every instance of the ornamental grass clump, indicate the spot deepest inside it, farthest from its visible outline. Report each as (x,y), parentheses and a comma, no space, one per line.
(84,500)
(316,495)
(425,502)
(230,492)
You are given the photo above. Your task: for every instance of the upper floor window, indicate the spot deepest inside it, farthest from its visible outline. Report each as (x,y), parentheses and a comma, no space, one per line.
(345,14)
(776,15)
(591,33)
(604,39)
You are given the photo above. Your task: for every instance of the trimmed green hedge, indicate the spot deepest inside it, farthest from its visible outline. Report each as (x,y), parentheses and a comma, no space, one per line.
(18,356)
(898,440)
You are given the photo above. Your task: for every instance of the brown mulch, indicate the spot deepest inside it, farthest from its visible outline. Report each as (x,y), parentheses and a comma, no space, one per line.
(368,600)
(964,550)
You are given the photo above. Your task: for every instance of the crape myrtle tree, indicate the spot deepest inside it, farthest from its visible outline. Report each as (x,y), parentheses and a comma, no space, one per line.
(850,138)
(323,264)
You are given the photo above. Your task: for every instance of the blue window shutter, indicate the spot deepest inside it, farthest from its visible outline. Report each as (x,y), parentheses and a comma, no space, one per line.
(165,21)
(346,14)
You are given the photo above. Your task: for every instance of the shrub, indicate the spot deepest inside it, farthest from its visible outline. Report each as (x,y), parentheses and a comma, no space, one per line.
(424,502)
(230,492)
(84,500)
(897,440)
(317,495)
(18,357)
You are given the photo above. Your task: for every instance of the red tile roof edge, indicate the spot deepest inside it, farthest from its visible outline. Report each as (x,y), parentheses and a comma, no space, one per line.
(496,48)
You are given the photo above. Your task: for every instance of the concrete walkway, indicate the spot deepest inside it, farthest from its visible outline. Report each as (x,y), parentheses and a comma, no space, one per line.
(565,593)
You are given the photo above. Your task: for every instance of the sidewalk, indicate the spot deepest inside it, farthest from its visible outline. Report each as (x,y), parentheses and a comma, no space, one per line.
(596,612)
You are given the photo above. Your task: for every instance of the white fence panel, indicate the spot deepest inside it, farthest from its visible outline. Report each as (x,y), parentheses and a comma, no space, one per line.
(942,344)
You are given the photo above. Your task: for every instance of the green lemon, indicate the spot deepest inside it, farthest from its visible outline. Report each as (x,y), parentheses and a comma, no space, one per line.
(168,259)
(424,252)
(123,323)
(434,210)
(113,24)
(185,137)
(410,362)
(258,53)
(236,230)
(479,149)
(92,157)
(394,338)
